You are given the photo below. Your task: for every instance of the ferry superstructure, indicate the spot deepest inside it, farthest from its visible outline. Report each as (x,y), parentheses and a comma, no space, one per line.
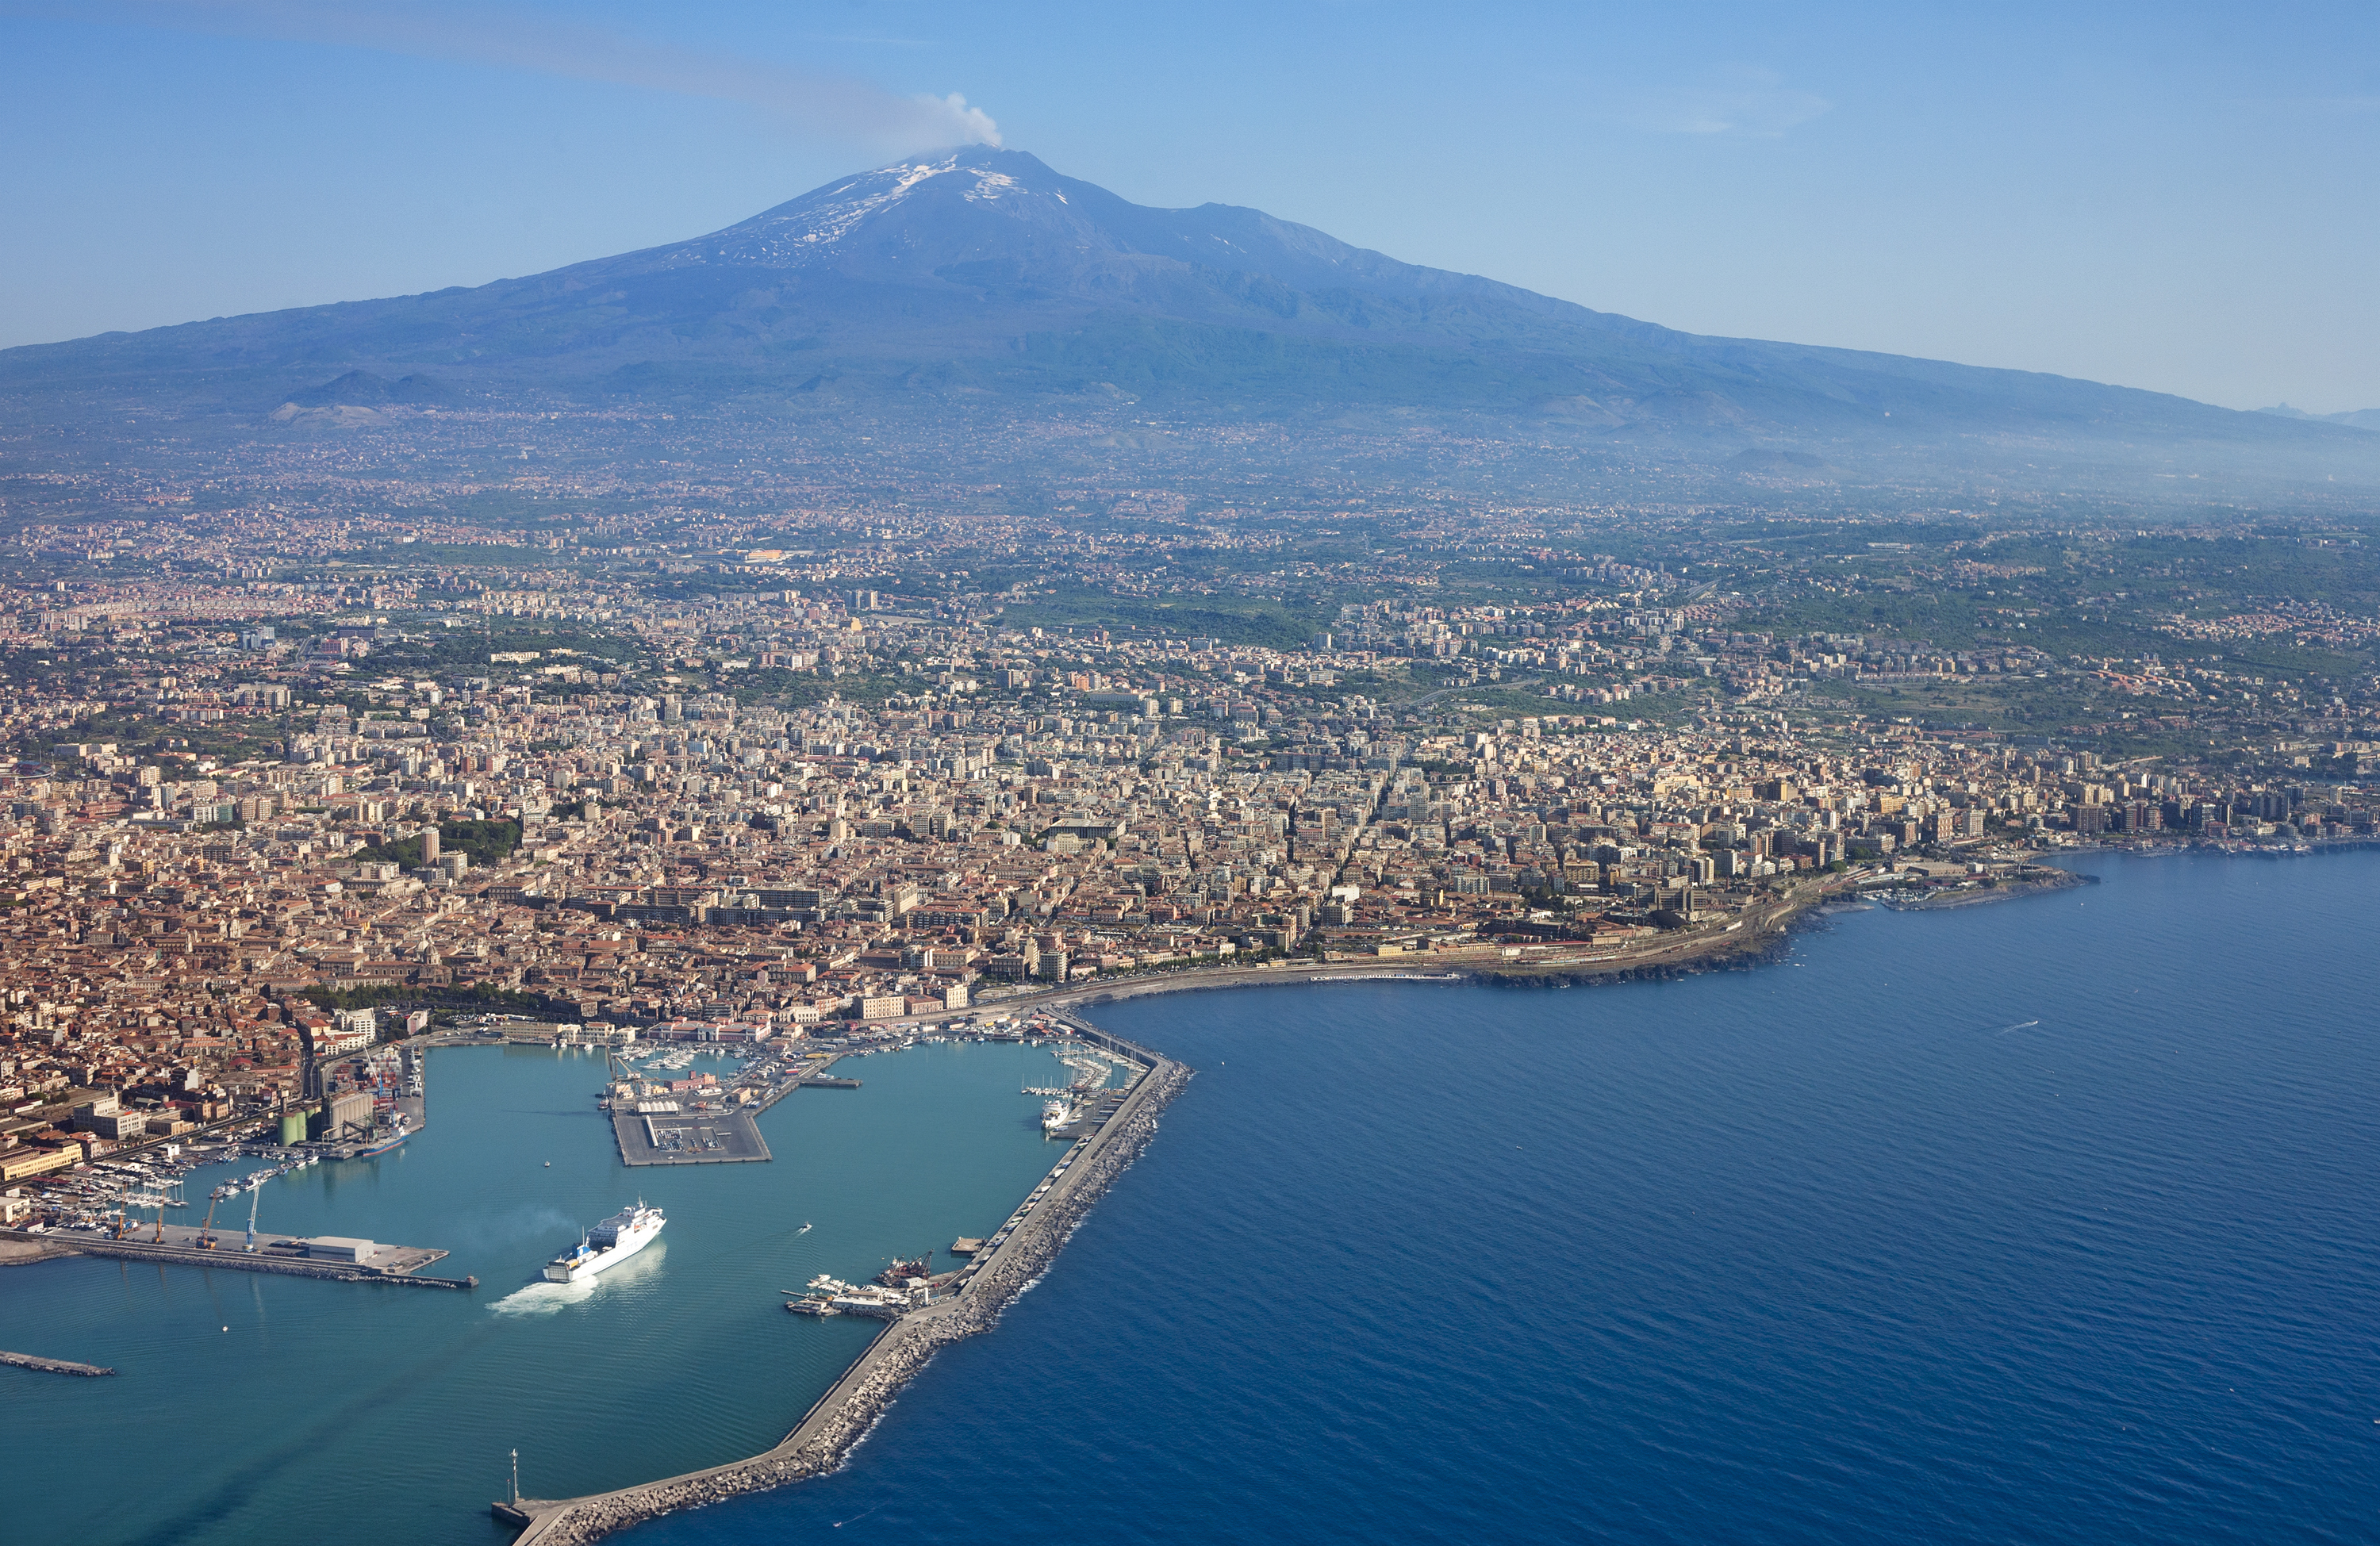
(607,1244)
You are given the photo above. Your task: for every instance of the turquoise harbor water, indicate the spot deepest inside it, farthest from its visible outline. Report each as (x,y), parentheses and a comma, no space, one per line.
(350,1412)
(2052,1220)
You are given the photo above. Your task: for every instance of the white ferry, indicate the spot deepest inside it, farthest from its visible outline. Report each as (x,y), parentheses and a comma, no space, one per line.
(1054,1116)
(607,1244)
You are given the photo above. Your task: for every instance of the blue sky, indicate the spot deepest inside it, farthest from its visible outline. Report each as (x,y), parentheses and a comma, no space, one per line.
(2178,197)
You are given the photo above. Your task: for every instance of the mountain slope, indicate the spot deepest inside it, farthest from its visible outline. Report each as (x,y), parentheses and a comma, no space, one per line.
(983,270)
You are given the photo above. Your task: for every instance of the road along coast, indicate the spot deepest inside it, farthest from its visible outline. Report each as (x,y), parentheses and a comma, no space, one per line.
(1747,939)
(828,1432)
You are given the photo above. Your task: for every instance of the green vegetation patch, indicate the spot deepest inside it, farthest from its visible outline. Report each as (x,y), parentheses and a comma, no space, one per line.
(469,995)
(487,842)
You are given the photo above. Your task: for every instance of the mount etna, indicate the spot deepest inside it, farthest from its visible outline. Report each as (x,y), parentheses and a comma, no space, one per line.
(980,278)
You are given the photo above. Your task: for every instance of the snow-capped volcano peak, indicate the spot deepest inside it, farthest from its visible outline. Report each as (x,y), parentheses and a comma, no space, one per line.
(805,230)
(981,214)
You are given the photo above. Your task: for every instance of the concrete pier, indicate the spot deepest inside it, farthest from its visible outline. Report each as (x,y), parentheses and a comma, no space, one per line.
(286,1255)
(838,1418)
(727,1137)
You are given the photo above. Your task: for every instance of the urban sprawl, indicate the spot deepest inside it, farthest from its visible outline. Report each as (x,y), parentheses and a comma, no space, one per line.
(641,781)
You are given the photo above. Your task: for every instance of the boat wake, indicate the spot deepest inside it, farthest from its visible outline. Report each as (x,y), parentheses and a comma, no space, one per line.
(2020,1025)
(544,1298)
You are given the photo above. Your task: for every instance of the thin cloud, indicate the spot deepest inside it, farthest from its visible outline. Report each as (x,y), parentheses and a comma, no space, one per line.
(1740,101)
(833,105)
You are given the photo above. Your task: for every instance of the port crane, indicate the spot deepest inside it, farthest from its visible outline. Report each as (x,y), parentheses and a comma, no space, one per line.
(206,1240)
(255,1195)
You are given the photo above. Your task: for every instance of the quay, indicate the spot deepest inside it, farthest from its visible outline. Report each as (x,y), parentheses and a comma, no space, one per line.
(1011,1260)
(337,1259)
(727,1137)
(54,1366)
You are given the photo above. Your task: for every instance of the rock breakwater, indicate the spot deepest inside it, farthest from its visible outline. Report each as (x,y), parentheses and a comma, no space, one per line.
(842,1417)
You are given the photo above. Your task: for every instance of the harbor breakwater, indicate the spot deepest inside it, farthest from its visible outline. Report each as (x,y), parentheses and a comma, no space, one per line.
(53,1365)
(842,1417)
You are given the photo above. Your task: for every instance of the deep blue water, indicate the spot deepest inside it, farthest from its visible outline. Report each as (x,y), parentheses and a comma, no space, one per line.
(1821,1252)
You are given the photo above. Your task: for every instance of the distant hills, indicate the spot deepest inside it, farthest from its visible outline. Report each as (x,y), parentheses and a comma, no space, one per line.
(361,389)
(2361,418)
(982,278)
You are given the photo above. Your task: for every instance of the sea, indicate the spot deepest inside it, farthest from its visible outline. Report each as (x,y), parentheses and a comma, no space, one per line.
(2050,1220)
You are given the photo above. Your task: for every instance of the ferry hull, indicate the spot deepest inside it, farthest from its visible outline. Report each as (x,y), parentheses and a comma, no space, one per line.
(587,1260)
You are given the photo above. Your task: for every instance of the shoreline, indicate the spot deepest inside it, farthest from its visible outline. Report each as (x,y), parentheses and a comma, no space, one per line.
(1945,899)
(20,1250)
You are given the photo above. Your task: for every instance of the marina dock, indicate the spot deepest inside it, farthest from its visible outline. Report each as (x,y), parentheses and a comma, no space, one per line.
(719,1126)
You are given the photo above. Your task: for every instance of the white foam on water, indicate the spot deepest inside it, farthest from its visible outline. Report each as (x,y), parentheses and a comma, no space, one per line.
(544,1298)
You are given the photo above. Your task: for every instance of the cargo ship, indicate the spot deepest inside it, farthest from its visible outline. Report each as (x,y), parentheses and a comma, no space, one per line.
(380,1145)
(607,1244)
(385,1135)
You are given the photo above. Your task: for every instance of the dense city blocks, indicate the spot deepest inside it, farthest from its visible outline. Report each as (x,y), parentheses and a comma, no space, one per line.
(760,778)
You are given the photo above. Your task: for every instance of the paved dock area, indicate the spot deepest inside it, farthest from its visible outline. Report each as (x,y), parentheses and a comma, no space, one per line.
(688,1137)
(291,1255)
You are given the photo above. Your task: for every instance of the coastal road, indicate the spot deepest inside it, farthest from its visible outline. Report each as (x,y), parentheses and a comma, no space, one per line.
(1696,943)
